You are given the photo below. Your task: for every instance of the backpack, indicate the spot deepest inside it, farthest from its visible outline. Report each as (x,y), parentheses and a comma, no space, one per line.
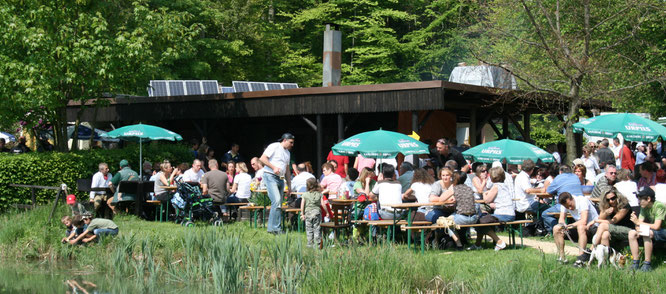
(371,213)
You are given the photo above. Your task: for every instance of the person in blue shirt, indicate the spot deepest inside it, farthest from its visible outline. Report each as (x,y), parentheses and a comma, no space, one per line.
(566,181)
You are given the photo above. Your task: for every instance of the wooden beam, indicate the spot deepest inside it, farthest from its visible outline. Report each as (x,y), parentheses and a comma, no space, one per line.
(473,134)
(505,127)
(520,129)
(341,128)
(424,120)
(527,126)
(497,131)
(320,142)
(310,123)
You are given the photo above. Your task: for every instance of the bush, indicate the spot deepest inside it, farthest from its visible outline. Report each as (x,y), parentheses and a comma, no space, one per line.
(55,168)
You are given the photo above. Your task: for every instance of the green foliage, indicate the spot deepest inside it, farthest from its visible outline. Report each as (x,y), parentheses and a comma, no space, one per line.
(55,168)
(386,41)
(546,130)
(55,52)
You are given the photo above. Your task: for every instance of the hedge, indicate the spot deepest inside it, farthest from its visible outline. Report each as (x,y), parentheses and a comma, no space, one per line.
(55,168)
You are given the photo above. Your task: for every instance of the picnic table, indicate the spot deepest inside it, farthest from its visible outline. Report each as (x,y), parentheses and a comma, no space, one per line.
(411,206)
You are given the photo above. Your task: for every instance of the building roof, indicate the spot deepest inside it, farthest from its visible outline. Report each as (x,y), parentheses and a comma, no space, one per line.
(394,97)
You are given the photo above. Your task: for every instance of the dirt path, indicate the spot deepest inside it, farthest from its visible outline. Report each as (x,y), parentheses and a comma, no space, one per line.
(545,246)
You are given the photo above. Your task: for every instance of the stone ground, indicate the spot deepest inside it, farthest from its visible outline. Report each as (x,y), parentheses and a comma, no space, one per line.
(547,246)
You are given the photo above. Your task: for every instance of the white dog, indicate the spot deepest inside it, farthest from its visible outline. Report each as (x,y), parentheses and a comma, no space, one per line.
(604,254)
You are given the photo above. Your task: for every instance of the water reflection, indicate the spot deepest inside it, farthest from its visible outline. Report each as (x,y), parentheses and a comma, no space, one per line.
(44,278)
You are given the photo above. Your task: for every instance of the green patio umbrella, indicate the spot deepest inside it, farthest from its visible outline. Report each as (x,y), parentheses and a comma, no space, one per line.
(142,133)
(513,151)
(380,144)
(631,126)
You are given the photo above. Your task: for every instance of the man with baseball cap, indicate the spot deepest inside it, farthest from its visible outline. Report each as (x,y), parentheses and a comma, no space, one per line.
(276,159)
(124,174)
(649,225)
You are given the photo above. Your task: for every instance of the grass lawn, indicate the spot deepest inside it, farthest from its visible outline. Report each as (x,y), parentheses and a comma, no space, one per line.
(165,257)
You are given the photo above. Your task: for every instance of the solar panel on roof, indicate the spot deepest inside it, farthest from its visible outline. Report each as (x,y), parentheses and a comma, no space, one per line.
(227,89)
(255,86)
(193,87)
(241,86)
(210,87)
(158,88)
(176,88)
(289,86)
(274,86)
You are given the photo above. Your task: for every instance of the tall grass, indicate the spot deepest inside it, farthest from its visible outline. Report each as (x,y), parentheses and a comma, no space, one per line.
(165,257)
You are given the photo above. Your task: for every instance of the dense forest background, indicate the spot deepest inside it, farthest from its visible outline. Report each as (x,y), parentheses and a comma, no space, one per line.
(53,52)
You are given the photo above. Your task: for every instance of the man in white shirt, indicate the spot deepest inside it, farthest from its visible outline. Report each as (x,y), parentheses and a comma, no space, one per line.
(617,148)
(299,181)
(101,179)
(524,190)
(195,173)
(584,214)
(276,170)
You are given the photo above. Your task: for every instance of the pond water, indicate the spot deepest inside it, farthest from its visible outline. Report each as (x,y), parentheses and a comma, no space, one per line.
(40,278)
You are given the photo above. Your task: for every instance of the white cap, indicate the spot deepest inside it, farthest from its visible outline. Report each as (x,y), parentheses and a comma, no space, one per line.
(497,164)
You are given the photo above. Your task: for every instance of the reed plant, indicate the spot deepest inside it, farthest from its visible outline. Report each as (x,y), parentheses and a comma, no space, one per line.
(166,257)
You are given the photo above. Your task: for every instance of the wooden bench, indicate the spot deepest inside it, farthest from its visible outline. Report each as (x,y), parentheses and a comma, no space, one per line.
(254,211)
(387,223)
(512,236)
(297,211)
(159,210)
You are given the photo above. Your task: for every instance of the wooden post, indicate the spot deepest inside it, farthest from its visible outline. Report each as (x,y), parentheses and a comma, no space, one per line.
(505,127)
(320,143)
(473,134)
(341,128)
(415,121)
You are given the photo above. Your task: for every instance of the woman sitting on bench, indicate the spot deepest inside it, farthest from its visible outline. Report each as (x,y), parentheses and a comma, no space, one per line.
(499,197)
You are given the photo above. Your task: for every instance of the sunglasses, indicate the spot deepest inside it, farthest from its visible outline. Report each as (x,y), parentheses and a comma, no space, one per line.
(612,198)
(612,173)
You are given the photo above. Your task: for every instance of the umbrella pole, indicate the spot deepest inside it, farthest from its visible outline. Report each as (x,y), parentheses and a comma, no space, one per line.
(140,159)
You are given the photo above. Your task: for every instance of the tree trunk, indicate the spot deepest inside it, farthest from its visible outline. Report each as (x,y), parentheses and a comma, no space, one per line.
(92,127)
(574,105)
(60,129)
(75,134)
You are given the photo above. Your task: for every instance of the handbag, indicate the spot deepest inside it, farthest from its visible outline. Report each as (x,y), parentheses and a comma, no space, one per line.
(489,219)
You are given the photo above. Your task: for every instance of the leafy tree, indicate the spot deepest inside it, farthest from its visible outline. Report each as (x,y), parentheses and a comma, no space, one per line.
(386,41)
(56,52)
(574,51)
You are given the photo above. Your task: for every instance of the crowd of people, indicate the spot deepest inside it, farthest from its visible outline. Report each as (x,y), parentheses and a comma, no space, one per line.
(615,193)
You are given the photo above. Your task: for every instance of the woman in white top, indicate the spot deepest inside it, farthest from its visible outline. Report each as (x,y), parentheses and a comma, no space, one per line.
(628,189)
(421,188)
(499,197)
(240,191)
(591,164)
(166,178)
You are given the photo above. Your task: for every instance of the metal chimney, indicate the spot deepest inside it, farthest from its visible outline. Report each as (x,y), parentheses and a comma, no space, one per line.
(332,56)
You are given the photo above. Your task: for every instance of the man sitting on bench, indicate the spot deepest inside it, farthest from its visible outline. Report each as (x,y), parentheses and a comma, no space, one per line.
(650,225)
(583,212)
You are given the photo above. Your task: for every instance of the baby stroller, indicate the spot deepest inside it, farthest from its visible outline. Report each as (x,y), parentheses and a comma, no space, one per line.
(191,206)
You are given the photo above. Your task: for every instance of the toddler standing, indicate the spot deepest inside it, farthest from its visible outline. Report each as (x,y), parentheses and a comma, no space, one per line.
(311,212)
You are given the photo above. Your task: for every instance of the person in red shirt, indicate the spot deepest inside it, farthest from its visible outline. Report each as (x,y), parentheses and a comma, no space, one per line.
(628,158)
(343,163)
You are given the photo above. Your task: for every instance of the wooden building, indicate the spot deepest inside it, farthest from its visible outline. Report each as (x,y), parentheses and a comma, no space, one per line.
(319,117)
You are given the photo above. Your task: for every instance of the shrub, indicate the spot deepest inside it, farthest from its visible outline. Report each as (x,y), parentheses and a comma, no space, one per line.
(55,168)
